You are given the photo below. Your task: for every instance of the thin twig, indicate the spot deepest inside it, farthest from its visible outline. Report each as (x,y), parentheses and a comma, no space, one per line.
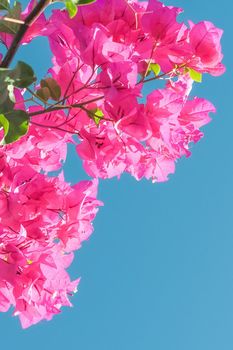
(54,127)
(59,108)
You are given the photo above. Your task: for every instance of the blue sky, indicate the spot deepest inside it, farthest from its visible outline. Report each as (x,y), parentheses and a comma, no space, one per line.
(158,271)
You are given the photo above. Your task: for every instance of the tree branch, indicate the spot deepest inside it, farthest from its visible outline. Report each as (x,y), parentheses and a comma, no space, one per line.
(30,19)
(63,107)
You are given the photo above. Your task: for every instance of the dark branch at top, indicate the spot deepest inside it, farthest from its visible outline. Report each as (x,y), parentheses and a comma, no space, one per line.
(33,15)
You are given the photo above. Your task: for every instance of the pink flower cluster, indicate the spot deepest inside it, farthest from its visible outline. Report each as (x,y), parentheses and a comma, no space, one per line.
(42,221)
(103,56)
(101,59)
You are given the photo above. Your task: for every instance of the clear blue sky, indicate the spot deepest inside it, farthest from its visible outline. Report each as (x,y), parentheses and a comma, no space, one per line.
(157,274)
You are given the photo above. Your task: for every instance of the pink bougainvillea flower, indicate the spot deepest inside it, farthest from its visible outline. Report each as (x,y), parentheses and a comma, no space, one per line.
(102,59)
(204,40)
(43,220)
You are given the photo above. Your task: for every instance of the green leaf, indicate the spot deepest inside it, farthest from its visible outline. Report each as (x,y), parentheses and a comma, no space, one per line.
(96,114)
(14,13)
(155,68)
(6,97)
(53,87)
(4,5)
(72,5)
(22,75)
(11,94)
(196,76)
(6,103)
(85,2)
(71,8)
(15,125)
(4,123)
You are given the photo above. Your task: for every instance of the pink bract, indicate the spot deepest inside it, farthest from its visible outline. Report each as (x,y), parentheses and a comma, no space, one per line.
(109,63)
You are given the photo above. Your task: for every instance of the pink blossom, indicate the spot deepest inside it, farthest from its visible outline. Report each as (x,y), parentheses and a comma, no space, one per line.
(101,60)
(205,44)
(42,219)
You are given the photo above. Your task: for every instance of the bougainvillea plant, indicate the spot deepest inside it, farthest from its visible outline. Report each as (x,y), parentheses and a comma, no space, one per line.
(104,51)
